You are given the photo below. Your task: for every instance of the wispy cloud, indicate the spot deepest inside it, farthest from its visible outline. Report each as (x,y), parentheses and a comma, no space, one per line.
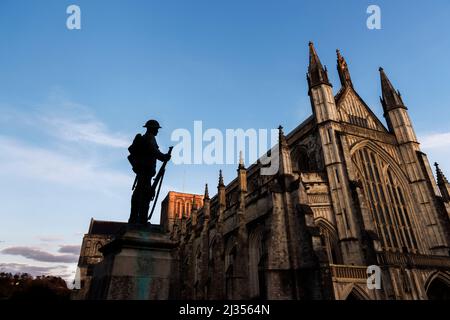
(65,120)
(39,255)
(72,249)
(49,238)
(83,128)
(61,122)
(435,140)
(22,159)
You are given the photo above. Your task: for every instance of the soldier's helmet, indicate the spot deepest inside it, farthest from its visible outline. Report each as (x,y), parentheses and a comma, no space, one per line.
(152,124)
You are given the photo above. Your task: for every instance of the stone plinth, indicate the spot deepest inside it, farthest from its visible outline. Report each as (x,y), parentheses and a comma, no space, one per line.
(137,265)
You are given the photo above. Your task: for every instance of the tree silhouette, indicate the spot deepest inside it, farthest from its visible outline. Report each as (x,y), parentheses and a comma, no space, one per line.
(24,287)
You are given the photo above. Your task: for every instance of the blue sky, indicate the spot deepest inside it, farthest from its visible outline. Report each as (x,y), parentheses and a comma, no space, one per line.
(72,100)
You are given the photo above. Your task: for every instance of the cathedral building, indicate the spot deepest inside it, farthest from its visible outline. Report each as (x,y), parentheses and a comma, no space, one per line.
(178,204)
(99,233)
(351,192)
(352,196)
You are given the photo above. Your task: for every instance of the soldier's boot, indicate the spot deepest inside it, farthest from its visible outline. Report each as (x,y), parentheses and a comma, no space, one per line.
(145,201)
(144,208)
(135,207)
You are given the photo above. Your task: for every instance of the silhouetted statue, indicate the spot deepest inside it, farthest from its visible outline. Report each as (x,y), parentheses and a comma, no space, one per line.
(144,152)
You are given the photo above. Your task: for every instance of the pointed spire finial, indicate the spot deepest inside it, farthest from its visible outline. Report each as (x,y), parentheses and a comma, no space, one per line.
(390,97)
(317,74)
(344,73)
(221,184)
(241,160)
(281,137)
(284,153)
(206,192)
(441,179)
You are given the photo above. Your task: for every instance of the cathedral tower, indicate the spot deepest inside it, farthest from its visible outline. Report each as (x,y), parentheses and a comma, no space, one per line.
(326,115)
(415,164)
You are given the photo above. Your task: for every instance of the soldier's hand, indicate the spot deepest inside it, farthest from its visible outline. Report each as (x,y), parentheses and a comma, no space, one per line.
(167,157)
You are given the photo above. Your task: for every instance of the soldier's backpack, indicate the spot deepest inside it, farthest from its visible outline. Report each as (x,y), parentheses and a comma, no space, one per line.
(134,150)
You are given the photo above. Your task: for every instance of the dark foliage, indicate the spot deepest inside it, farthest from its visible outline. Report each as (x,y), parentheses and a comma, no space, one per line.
(26,287)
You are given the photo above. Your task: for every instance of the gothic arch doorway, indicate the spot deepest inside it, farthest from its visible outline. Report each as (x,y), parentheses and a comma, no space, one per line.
(353,297)
(356,294)
(439,287)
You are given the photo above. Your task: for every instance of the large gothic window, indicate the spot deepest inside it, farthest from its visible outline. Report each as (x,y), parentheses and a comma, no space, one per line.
(386,200)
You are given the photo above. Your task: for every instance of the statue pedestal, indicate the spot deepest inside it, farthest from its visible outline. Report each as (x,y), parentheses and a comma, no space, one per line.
(137,265)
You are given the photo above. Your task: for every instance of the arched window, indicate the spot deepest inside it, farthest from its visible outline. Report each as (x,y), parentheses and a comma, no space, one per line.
(215,270)
(197,273)
(229,282)
(87,248)
(257,264)
(178,208)
(386,199)
(303,160)
(197,266)
(98,245)
(186,208)
(230,257)
(330,242)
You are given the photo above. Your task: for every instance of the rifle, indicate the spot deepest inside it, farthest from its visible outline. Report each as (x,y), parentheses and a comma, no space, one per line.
(134,183)
(157,182)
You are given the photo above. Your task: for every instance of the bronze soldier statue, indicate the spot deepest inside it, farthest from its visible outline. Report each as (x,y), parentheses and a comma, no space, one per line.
(144,152)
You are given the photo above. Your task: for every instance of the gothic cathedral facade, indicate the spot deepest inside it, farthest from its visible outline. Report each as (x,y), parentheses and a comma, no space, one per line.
(350,193)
